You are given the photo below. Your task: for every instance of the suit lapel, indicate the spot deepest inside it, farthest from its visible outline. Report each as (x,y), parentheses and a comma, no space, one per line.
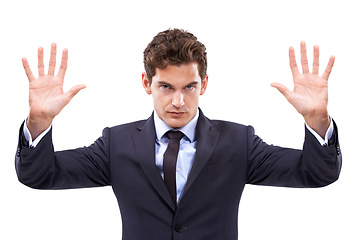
(144,141)
(207,138)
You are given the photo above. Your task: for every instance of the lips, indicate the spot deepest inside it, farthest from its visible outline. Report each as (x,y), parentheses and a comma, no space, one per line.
(176,114)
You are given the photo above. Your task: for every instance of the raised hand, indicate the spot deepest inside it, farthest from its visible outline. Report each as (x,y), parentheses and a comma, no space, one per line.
(310,94)
(46,96)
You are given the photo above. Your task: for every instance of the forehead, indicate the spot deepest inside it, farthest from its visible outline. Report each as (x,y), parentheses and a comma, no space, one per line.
(176,74)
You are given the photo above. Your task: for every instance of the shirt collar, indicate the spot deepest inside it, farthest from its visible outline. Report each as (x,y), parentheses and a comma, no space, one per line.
(188,130)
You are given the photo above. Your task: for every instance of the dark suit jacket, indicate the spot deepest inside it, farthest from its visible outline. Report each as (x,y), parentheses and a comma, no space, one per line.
(228,156)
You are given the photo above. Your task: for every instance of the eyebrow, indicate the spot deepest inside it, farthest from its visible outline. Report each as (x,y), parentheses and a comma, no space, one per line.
(193,83)
(170,85)
(164,83)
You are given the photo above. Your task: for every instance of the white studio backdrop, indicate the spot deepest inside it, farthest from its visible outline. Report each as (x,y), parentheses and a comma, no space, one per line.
(247,44)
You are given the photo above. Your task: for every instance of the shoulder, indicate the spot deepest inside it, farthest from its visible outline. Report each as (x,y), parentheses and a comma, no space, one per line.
(228,126)
(221,126)
(120,134)
(126,127)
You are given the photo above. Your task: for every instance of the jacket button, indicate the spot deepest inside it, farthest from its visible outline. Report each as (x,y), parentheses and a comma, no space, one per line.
(179,228)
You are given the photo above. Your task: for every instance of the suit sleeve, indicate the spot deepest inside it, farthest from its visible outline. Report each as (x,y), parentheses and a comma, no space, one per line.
(314,166)
(43,168)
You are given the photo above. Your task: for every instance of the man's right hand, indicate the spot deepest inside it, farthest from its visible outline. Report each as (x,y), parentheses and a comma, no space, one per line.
(46,96)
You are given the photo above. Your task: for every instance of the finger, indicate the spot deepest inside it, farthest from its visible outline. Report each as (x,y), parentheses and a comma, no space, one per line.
(293,62)
(304,58)
(73,91)
(316,60)
(328,69)
(27,70)
(52,59)
(63,66)
(40,62)
(282,89)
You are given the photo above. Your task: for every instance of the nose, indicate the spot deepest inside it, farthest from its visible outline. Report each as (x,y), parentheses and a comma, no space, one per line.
(178,99)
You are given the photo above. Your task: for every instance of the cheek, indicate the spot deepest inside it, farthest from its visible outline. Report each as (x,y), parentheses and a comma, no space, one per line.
(160,101)
(192,99)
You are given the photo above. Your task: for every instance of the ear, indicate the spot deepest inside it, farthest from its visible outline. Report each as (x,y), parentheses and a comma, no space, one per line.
(204,85)
(146,84)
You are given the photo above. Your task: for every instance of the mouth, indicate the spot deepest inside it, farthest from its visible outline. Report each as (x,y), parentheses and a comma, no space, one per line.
(176,114)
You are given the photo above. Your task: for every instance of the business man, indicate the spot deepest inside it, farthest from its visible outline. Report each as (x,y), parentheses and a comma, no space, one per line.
(178,175)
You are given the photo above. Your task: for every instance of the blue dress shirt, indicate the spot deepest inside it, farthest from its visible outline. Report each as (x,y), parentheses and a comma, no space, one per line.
(186,152)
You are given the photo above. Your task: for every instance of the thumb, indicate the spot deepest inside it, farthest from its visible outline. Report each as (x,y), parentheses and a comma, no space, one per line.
(282,89)
(73,91)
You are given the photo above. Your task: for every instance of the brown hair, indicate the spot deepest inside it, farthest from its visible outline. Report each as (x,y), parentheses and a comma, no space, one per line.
(174,47)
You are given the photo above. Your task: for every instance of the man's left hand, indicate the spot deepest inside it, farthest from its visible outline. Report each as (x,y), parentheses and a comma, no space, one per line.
(310,94)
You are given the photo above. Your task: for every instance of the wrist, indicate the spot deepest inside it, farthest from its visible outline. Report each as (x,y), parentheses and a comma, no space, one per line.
(38,124)
(319,123)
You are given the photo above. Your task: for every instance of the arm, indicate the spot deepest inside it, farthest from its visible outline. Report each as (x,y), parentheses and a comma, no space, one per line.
(46,96)
(43,168)
(310,94)
(314,166)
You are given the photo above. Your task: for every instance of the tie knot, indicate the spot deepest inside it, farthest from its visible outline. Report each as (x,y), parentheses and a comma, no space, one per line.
(175,135)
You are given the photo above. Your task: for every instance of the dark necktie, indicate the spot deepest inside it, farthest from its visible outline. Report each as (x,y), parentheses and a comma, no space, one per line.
(170,161)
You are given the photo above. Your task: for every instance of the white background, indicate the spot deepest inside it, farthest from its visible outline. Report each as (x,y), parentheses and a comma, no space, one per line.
(247,44)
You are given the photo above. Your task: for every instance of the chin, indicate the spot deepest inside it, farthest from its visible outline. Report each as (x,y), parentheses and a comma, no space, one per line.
(176,124)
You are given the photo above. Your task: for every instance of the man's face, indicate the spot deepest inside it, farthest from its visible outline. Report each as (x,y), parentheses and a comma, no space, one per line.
(175,91)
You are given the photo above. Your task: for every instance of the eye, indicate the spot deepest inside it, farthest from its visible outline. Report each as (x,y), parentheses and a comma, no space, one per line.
(189,87)
(165,87)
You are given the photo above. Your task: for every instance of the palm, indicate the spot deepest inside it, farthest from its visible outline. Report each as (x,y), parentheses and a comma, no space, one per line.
(46,95)
(310,93)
